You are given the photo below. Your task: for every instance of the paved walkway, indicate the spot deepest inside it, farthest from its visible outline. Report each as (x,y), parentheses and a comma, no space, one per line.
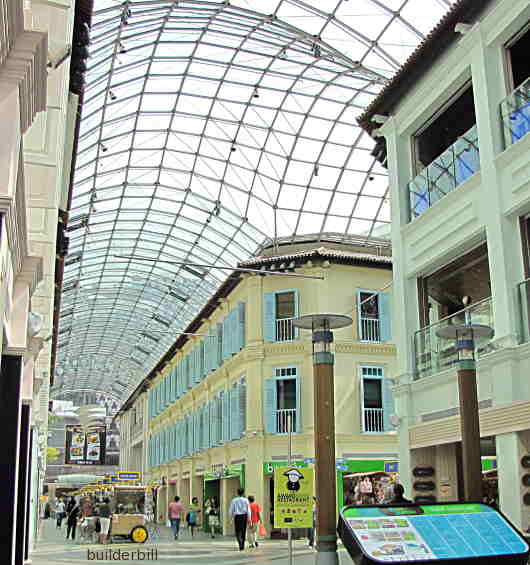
(54,549)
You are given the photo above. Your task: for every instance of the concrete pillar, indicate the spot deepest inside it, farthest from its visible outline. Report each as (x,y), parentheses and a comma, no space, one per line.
(185,491)
(510,448)
(504,242)
(403,406)
(253,312)
(254,477)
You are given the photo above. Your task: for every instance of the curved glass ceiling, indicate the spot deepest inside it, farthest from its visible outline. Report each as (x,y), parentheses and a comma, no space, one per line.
(208,127)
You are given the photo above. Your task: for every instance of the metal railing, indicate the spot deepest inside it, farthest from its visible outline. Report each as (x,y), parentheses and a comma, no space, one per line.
(285,331)
(515,114)
(373,419)
(370,329)
(434,354)
(282,420)
(454,166)
(523,295)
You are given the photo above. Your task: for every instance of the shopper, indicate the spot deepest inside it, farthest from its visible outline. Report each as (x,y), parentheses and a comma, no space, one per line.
(240,513)
(71,520)
(253,524)
(398,497)
(175,510)
(104,520)
(59,512)
(192,517)
(213,515)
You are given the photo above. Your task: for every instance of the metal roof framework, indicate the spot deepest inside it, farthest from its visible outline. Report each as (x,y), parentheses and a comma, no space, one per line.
(208,127)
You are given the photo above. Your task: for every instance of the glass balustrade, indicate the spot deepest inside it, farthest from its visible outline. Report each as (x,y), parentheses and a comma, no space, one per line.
(434,354)
(515,114)
(454,166)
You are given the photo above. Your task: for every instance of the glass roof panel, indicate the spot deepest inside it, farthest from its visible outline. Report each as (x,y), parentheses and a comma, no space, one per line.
(208,127)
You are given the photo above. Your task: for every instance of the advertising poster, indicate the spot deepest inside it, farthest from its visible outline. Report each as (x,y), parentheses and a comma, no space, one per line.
(293,497)
(85,448)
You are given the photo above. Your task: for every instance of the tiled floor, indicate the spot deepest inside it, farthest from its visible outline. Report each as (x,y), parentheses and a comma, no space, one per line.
(54,549)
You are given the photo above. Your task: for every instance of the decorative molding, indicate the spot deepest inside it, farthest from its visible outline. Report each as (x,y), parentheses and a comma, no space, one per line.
(365,348)
(286,347)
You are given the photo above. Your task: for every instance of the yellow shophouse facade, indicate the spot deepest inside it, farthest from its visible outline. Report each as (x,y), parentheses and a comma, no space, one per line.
(213,414)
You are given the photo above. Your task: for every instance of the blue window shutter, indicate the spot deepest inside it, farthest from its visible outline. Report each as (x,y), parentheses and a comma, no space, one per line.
(202,363)
(298,422)
(173,377)
(226,416)
(157,403)
(165,392)
(234,413)
(385,315)
(207,347)
(269,316)
(226,337)
(296,312)
(219,344)
(270,405)
(187,373)
(235,331)
(241,325)
(388,404)
(242,407)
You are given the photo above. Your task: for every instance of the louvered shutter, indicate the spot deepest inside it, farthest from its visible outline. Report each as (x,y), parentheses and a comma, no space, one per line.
(202,363)
(385,315)
(234,412)
(226,337)
(270,405)
(388,404)
(241,324)
(242,407)
(225,417)
(269,316)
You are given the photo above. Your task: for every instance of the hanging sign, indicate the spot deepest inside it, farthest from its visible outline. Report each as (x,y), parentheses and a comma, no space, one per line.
(293,497)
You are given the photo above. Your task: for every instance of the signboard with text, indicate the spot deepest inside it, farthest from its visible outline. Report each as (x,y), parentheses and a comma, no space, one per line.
(85,448)
(449,532)
(128,476)
(293,497)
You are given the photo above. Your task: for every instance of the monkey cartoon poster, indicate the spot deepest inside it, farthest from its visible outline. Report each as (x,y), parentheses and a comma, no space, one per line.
(293,497)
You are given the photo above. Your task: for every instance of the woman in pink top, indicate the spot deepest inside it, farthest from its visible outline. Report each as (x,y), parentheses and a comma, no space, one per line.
(175,511)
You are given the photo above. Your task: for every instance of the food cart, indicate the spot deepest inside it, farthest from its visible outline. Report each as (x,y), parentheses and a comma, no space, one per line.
(128,513)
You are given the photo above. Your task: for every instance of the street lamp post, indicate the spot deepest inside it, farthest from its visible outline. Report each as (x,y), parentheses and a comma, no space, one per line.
(324,424)
(464,336)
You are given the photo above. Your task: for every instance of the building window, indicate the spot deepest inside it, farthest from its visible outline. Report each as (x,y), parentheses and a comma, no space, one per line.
(446,152)
(515,108)
(377,401)
(280,308)
(369,324)
(282,401)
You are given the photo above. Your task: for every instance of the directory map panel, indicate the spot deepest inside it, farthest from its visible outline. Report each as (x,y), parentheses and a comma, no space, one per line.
(424,533)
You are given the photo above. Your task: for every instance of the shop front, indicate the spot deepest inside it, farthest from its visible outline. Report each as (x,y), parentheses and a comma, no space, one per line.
(221,483)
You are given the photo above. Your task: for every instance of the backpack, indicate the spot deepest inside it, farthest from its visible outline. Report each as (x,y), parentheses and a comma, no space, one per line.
(191,518)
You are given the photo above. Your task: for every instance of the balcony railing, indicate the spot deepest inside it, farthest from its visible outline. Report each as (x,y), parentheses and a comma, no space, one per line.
(444,174)
(523,294)
(370,330)
(434,354)
(515,114)
(285,331)
(283,416)
(373,420)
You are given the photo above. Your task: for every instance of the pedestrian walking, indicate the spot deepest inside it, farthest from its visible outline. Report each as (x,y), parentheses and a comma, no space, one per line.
(192,517)
(213,514)
(71,520)
(175,511)
(59,512)
(104,520)
(240,513)
(253,524)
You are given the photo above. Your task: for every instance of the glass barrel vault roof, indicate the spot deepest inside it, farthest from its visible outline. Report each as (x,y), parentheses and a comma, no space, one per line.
(208,127)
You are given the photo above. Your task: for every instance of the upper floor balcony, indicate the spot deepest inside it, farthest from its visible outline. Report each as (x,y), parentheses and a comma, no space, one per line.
(448,171)
(434,354)
(515,114)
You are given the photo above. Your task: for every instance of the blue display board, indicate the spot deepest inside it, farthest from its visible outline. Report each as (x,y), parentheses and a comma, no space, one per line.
(430,533)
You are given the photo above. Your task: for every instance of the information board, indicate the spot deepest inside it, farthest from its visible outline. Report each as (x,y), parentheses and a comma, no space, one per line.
(293,497)
(429,533)
(85,448)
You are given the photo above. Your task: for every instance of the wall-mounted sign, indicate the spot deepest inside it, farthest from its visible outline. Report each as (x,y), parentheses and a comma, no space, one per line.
(391,466)
(85,448)
(129,476)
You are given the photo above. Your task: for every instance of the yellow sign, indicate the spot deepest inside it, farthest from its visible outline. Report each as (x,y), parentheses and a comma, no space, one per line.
(293,497)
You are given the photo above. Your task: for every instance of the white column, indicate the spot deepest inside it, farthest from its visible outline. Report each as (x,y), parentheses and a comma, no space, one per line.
(504,242)
(510,448)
